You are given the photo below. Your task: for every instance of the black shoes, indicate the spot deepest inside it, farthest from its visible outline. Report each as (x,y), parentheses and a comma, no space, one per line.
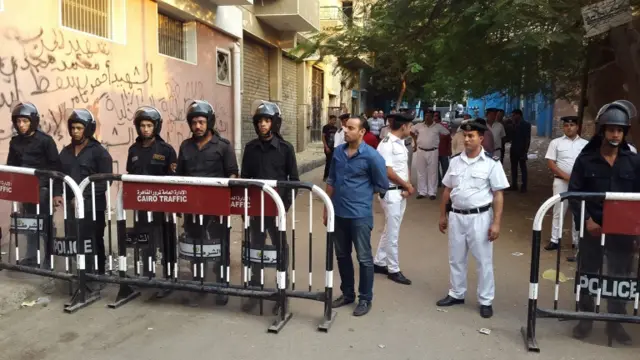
(377,269)
(551,246)
(432,197)
(614,331)
(420,197)
(363,308)
(341,301)
(583,329)
(486,311)
(399,278)
(449,301)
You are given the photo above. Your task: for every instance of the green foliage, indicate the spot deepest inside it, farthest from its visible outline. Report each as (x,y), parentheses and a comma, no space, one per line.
(449,46)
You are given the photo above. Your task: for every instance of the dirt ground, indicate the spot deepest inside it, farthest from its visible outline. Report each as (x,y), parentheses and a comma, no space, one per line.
(403,324)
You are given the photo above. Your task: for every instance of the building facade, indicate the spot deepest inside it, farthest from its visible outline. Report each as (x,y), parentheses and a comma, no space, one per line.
(269,72)
(112,56)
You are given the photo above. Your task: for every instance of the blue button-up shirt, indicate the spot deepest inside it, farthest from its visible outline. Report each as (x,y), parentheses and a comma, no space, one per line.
(355,179)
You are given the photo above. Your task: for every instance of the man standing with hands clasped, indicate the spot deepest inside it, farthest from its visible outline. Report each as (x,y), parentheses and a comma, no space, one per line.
(561,155)
(396,158)
(357,172)
(474,183)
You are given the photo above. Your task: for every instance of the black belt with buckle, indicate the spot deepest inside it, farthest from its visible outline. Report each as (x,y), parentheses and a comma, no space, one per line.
(472,211)
(396,188)
(423,149)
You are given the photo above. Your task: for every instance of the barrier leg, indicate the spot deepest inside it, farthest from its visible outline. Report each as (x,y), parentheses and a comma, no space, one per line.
(83,296)
(284,315)
(167,255)
(125,293)
(329,314)
(529,332)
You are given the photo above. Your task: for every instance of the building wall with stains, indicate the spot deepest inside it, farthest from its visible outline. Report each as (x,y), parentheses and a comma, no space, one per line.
(59,68)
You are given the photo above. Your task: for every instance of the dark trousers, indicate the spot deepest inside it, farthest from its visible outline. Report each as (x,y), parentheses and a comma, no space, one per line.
(211,232)
(258,240)
(518,159)
(327,165)
(158,238)
(356,233)
(619,253)
(31,251)
(90,230)
(442,169)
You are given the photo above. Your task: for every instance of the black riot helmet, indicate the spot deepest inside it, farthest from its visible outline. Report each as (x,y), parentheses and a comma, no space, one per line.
(202,108)
(84,117)
(148,113)
(267,109)
(617,113)
(25,110)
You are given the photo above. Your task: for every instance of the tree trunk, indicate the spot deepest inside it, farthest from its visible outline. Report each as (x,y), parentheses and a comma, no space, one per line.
(403,89)
(625,42)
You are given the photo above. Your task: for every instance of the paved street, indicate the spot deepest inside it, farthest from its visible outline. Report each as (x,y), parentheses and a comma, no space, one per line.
(403,324)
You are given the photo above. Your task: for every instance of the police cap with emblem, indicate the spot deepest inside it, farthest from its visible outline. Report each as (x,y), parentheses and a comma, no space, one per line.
(401,117)
(479,125)
(490,110)
(569,119)
(344,116)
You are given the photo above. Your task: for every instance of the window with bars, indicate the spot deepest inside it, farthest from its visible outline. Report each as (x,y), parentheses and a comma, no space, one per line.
(223,67)
(89,16)
(172,37)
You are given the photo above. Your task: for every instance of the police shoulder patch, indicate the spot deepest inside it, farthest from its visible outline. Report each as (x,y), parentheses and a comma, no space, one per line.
(489,155)
(386,138)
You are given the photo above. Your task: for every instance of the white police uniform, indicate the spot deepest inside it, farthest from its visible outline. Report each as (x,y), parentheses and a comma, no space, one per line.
(428,140)
(473,182)
(396,156)
(338,137)
(563,151)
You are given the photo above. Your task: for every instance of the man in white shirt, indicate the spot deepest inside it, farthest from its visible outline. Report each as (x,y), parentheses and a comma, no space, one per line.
(497,129)
(376,122)
(426,137)
(561,155)
(396,157)
(338,138)
(474,183)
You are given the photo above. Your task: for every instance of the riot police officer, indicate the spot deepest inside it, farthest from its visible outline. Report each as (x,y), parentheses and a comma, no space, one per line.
(33,148)
(605,165)
(85,156)
(268,157)
(205,154)
(151,155)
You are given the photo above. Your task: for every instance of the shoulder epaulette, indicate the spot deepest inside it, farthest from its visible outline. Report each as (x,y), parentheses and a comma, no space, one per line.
(386,138)
(224,140)
(490,155)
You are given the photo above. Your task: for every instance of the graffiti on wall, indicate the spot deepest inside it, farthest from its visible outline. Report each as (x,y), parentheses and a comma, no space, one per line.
(59,73)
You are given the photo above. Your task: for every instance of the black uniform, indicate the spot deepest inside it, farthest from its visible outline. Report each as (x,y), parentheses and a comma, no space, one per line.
(328,132)
(273,159)
(592,173)
(158,159)
(215,159)
(520,141)
(92,159)
(37,151)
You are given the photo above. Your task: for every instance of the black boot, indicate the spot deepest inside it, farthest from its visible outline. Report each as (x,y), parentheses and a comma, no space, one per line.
(583,329)
(616,332)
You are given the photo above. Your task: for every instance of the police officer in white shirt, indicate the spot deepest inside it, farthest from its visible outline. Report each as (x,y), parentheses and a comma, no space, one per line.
(474,183)
(396,157)
(497,129)
(338,138)
(561,155)
(426,136)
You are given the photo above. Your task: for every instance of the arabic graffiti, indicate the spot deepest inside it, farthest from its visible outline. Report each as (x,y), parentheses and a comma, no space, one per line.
(59,70)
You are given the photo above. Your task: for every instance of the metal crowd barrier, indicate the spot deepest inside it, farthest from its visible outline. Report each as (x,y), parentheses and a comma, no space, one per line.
(620,218)
(206,203)
(23,187)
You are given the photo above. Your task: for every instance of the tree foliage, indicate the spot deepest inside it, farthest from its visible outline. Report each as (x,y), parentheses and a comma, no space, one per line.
(419,47)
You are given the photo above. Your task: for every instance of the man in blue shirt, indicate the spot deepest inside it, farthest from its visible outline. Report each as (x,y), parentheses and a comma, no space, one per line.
(357,171)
